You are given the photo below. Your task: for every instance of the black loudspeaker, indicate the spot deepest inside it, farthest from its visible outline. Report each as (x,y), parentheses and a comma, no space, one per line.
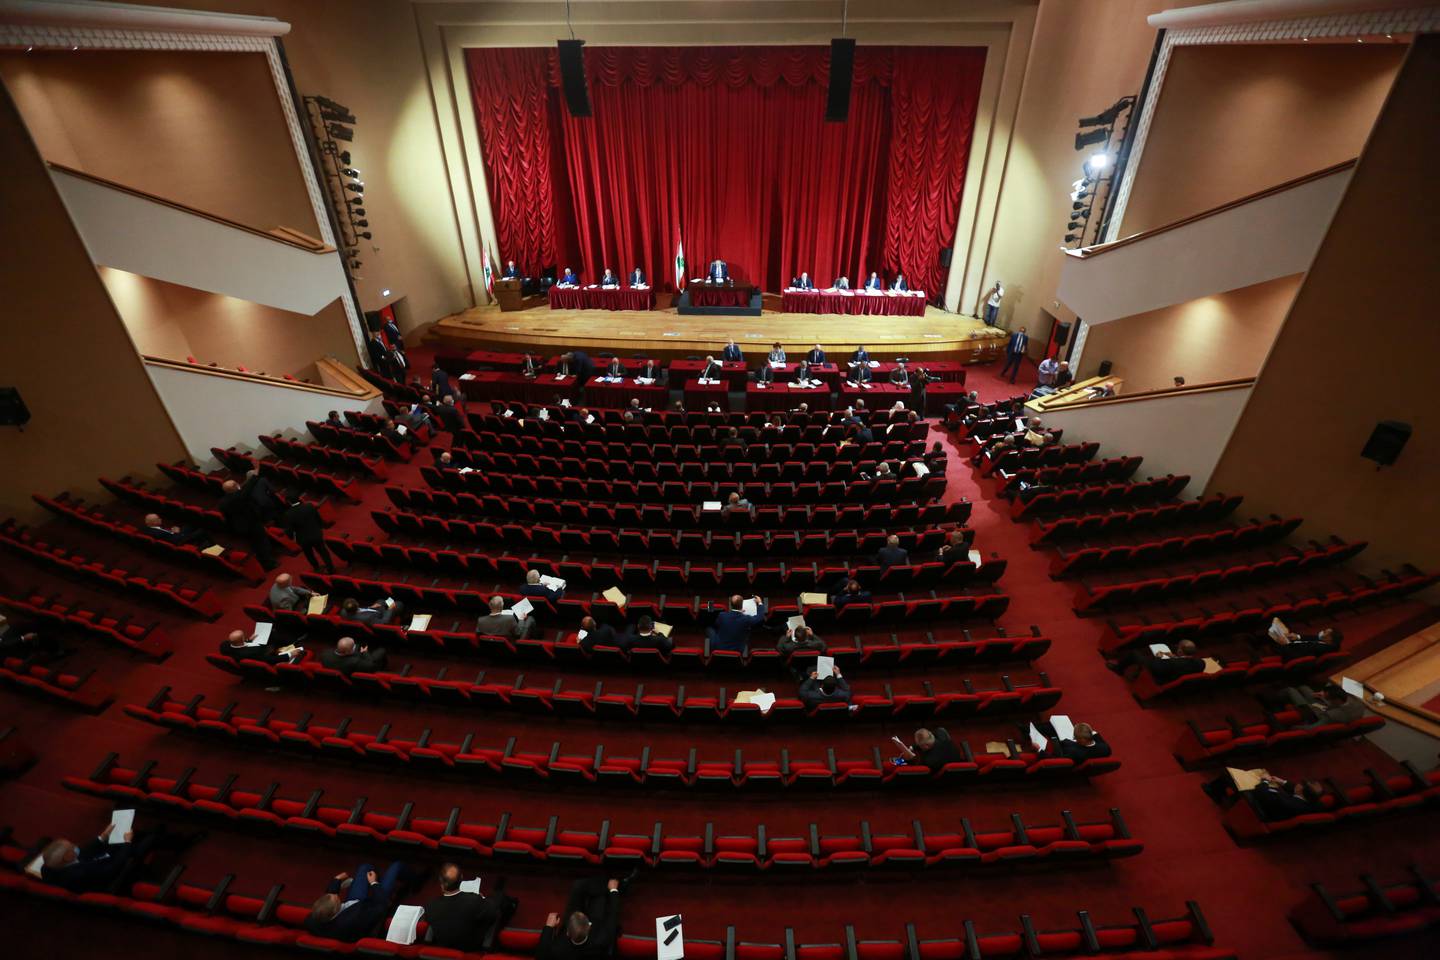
(572,77)
(13,412)
(1104,370)
(842,75)
(945,254)
(1386,442)
(1062,334)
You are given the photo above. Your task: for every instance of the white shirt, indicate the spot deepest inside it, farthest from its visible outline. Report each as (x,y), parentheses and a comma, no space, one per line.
(994,300)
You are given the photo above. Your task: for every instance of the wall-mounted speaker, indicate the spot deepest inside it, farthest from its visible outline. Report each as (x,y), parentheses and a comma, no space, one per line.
(572,77)
(842,76)
(1104,370)
(1062,334)
(13,412)
(1386,441)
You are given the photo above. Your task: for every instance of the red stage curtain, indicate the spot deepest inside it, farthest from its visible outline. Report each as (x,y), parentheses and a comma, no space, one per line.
(728,148)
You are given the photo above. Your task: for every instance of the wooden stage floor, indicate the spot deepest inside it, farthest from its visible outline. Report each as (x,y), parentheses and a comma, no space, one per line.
(667,335)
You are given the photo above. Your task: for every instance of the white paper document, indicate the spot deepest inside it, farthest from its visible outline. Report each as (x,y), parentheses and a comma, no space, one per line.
(1037,738)
(544,414)
(467,376)
(921,470)
(35,866)
(1064,729)
(420,622)
(554,583)
(669,941)
(261,636)
(1277,631)
(559,376)
(522,608)
(975,557)
(470,886)
(750,607)
(824,667)
(795,622)
(403,924)
(711,505)
(464,470)
(507,412)
(124,822)
(564,403)
(1353,687)
(615,595)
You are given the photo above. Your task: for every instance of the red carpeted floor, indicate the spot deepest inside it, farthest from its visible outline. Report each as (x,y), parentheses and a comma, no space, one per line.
(1244,892)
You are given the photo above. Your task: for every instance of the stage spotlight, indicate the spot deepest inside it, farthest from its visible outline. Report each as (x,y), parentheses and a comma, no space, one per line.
(1097,163)
(1107,116)
(1082,215)
(358,211)
(366,235)
(337,116)
(354,264)
(350,172)
(362,223)
(345,157)
(345,134)
(355,188)
(1083,140)
(1072,237)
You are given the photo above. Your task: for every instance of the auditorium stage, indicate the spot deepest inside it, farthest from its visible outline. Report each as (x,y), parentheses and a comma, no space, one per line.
(664,334)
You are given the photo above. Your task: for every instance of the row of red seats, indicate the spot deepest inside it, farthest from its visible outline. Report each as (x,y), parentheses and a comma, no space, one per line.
(231,563)
(816,416)
(393,389)
(1091,599)
(1375,912)
(1279,731)
(373,423)
(1379,796)
(1234,674)
(986,423)
(269,921)
(636,704)
(885,652)
(173,511)
(678,573)
(691,610)
(285,474)
(287,449)
(68,688)
(145,639)
(359,441)
(1256,617)
(762,452)
(193,600)
(1050,455)
(1091,471)
(1098,495)
(1212,508)
(662,428)
(764,517)
(756,850)
(558,767)
(1243,537)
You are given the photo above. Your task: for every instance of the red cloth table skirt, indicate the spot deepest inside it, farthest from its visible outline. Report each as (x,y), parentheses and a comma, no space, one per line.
(880,396)
(683,370)
(949,371)
(601,298)
(785,396)
(697,395)
(939,394)
(654,395)
(703,296)
(505,385)
(888,304)
(457,363)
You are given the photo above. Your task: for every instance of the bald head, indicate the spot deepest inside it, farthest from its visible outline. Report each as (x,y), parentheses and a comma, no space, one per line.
(152,519)
(924,739)
(283,581)
(345,646)
(577,928)
(236,638)
(532,577)
(1186,648)
(450,877)
(229,486)
(1084,734)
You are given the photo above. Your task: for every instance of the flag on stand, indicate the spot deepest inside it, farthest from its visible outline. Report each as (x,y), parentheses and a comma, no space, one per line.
(679,265)
(489,274)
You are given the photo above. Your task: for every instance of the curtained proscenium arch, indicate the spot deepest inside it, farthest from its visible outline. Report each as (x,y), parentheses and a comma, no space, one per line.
(727,148)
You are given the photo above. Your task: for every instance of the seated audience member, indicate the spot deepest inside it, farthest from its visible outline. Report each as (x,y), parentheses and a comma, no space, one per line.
(861,433)
(378,612)
(596,634)
(882,472)
(460,920)
(850,593)
(529,367)
(95,866)
(615,369)
(284,595)
(765,375)
(29,642)
(800,640)
(1279,799)
(1164,667)
(644,636)
(449,415)
(590,925)
(446,459)
(180,536)
(534,588)
(501,623)
(712,370)
(900,376)
(732,443)
(1087,745)
(608,279)
(1329,705)
(933,749)
(350,657)
(816,355)
(776,355)
(731,630)
(731,353)
(892,553)
(736,504)
(335,420)
(352,909)
(833,689)
(1317,644)
(237,646)
(301,520)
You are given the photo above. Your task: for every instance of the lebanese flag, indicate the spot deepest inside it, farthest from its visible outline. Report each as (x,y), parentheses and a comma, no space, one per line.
(489,274)
(679,265)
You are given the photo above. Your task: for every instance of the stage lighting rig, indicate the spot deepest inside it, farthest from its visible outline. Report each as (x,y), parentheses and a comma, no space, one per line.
(331,124)
(1103,136)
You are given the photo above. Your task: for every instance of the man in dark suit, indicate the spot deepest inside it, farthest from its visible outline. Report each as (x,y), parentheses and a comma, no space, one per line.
(237,646)
(731,353)
(534,588)
(263,494)
(1063,376)
(765,375)
(815,692)
(511,271)
(243,518)
(1309,645)
(615,368)
(1164,668)
(529,369)
(1279,799)
(459,920)
(440,382)
(860,373)
(180,536)
(1087,745)
(392,333)
(578,362)
(803,282)
(590,925)
(900,376)
(1015,353)
(802,372)
(861,355)
(850,593)
(900,283)
(732,627)
(379,612)
(874,282)
(499,623)
(379,355)
(712,370)
(842,283)
(933,749)
(568,279)
(644,636)
(637,278)
(302,521)
(649,370)
(719,272)
(93,867)
(816,355)
(349,657)
(29,642)
(449,415)
(608,279)
(353,912)
(892,553)
(596,634)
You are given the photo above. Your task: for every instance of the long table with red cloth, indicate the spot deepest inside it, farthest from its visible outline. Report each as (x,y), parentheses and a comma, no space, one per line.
(682,371)
(698,394)
(464,361)
(508,385)
(949,371)
(879,396)
(600,393)
(601,298)
(939,394)
(786,396)
(705,295)
(854,302)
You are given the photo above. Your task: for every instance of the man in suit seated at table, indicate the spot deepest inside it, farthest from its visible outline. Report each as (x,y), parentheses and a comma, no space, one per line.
(511,271)
(850,593)
(532,587)
(1164,667)
(180,536)
(719,272)
(732,627)
(500,623)
(900,376)
(615,369)
(350,657)
(609,280)
(577,362)
(650,370)
(802,373)
(861,355)
(874,282)
(731,353)
(841,283)
(713,370)
(529,367)
(460,920)
(379,612)
(568,279)
(637,279)
(803,282)
(816,355)
(765,375)
(860,373)
(900,285)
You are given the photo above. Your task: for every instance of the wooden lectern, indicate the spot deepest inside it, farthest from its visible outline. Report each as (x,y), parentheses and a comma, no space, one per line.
(508,295)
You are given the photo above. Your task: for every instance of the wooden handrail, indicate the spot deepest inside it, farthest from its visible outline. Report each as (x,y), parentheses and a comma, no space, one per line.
(286,235)
(1085,253)
(257,378)
(1214,387)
